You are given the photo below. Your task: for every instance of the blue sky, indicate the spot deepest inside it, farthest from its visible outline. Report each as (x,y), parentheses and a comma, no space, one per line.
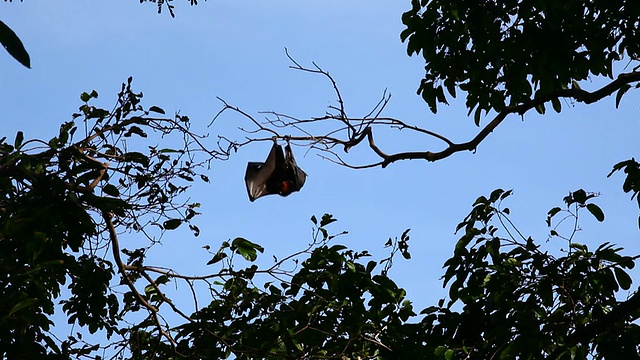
(235,50)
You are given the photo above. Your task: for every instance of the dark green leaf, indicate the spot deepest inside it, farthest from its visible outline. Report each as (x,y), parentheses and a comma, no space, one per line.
(171,224)
(162,279)
(326,220)
(23,304)
(156,110)
(19,138)
(551,214)
(111,190)
(135,130)
(86,96)
(13,45)
(506,194)
(557,106)
(217,257)
(495,195)
(624,280)
(137,158)
(96,113)
(596,211)
(623,89)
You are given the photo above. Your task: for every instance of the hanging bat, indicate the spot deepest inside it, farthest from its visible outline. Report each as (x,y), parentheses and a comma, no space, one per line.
(279,174)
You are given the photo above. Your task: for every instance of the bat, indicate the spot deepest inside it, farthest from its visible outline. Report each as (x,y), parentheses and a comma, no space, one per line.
(279,174)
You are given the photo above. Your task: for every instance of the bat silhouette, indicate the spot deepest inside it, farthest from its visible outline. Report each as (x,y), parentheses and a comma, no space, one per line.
(279,174)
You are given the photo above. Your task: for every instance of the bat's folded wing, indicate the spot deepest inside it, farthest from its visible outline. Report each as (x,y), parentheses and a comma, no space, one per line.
(258,173)
(299,176)
(255,178)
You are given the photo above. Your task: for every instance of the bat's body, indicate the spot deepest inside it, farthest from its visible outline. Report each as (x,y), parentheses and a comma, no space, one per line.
(279,174)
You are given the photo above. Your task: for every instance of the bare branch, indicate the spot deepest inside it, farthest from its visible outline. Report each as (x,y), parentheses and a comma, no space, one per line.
(357,129)
(341,109)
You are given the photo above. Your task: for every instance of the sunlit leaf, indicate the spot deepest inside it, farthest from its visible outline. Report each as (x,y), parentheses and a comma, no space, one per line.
(246,248)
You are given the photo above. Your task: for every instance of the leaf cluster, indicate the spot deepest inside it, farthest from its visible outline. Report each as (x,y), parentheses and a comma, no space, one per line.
(54,196)
(507,52)
(333,305)
(510,299)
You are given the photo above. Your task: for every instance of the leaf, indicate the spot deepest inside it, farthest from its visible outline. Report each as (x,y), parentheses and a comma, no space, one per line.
(596,212)
(506,194)
(162,279)
(217,257)
(578,196)
(476,116)
(19,139)
(171,224)
(624,280)
(135,130)
(136,157)
(448,354)
(623,89)
(246,248)
(495,195)
(23,304)
(557,106)
(327,219)
(111,190)
(86,96)
(551,214)
(13,45)
(156,110)
(98,114)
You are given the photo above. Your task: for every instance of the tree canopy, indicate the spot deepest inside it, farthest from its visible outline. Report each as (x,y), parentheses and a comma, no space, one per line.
(508,52)
(68,201)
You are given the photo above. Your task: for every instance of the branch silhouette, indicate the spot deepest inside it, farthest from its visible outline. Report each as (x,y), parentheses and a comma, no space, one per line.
(353,131)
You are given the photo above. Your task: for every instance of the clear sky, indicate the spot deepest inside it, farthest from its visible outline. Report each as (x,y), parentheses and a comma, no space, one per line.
(235,50)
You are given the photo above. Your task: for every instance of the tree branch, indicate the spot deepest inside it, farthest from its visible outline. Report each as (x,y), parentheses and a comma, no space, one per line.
(356,130)
(115,246)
